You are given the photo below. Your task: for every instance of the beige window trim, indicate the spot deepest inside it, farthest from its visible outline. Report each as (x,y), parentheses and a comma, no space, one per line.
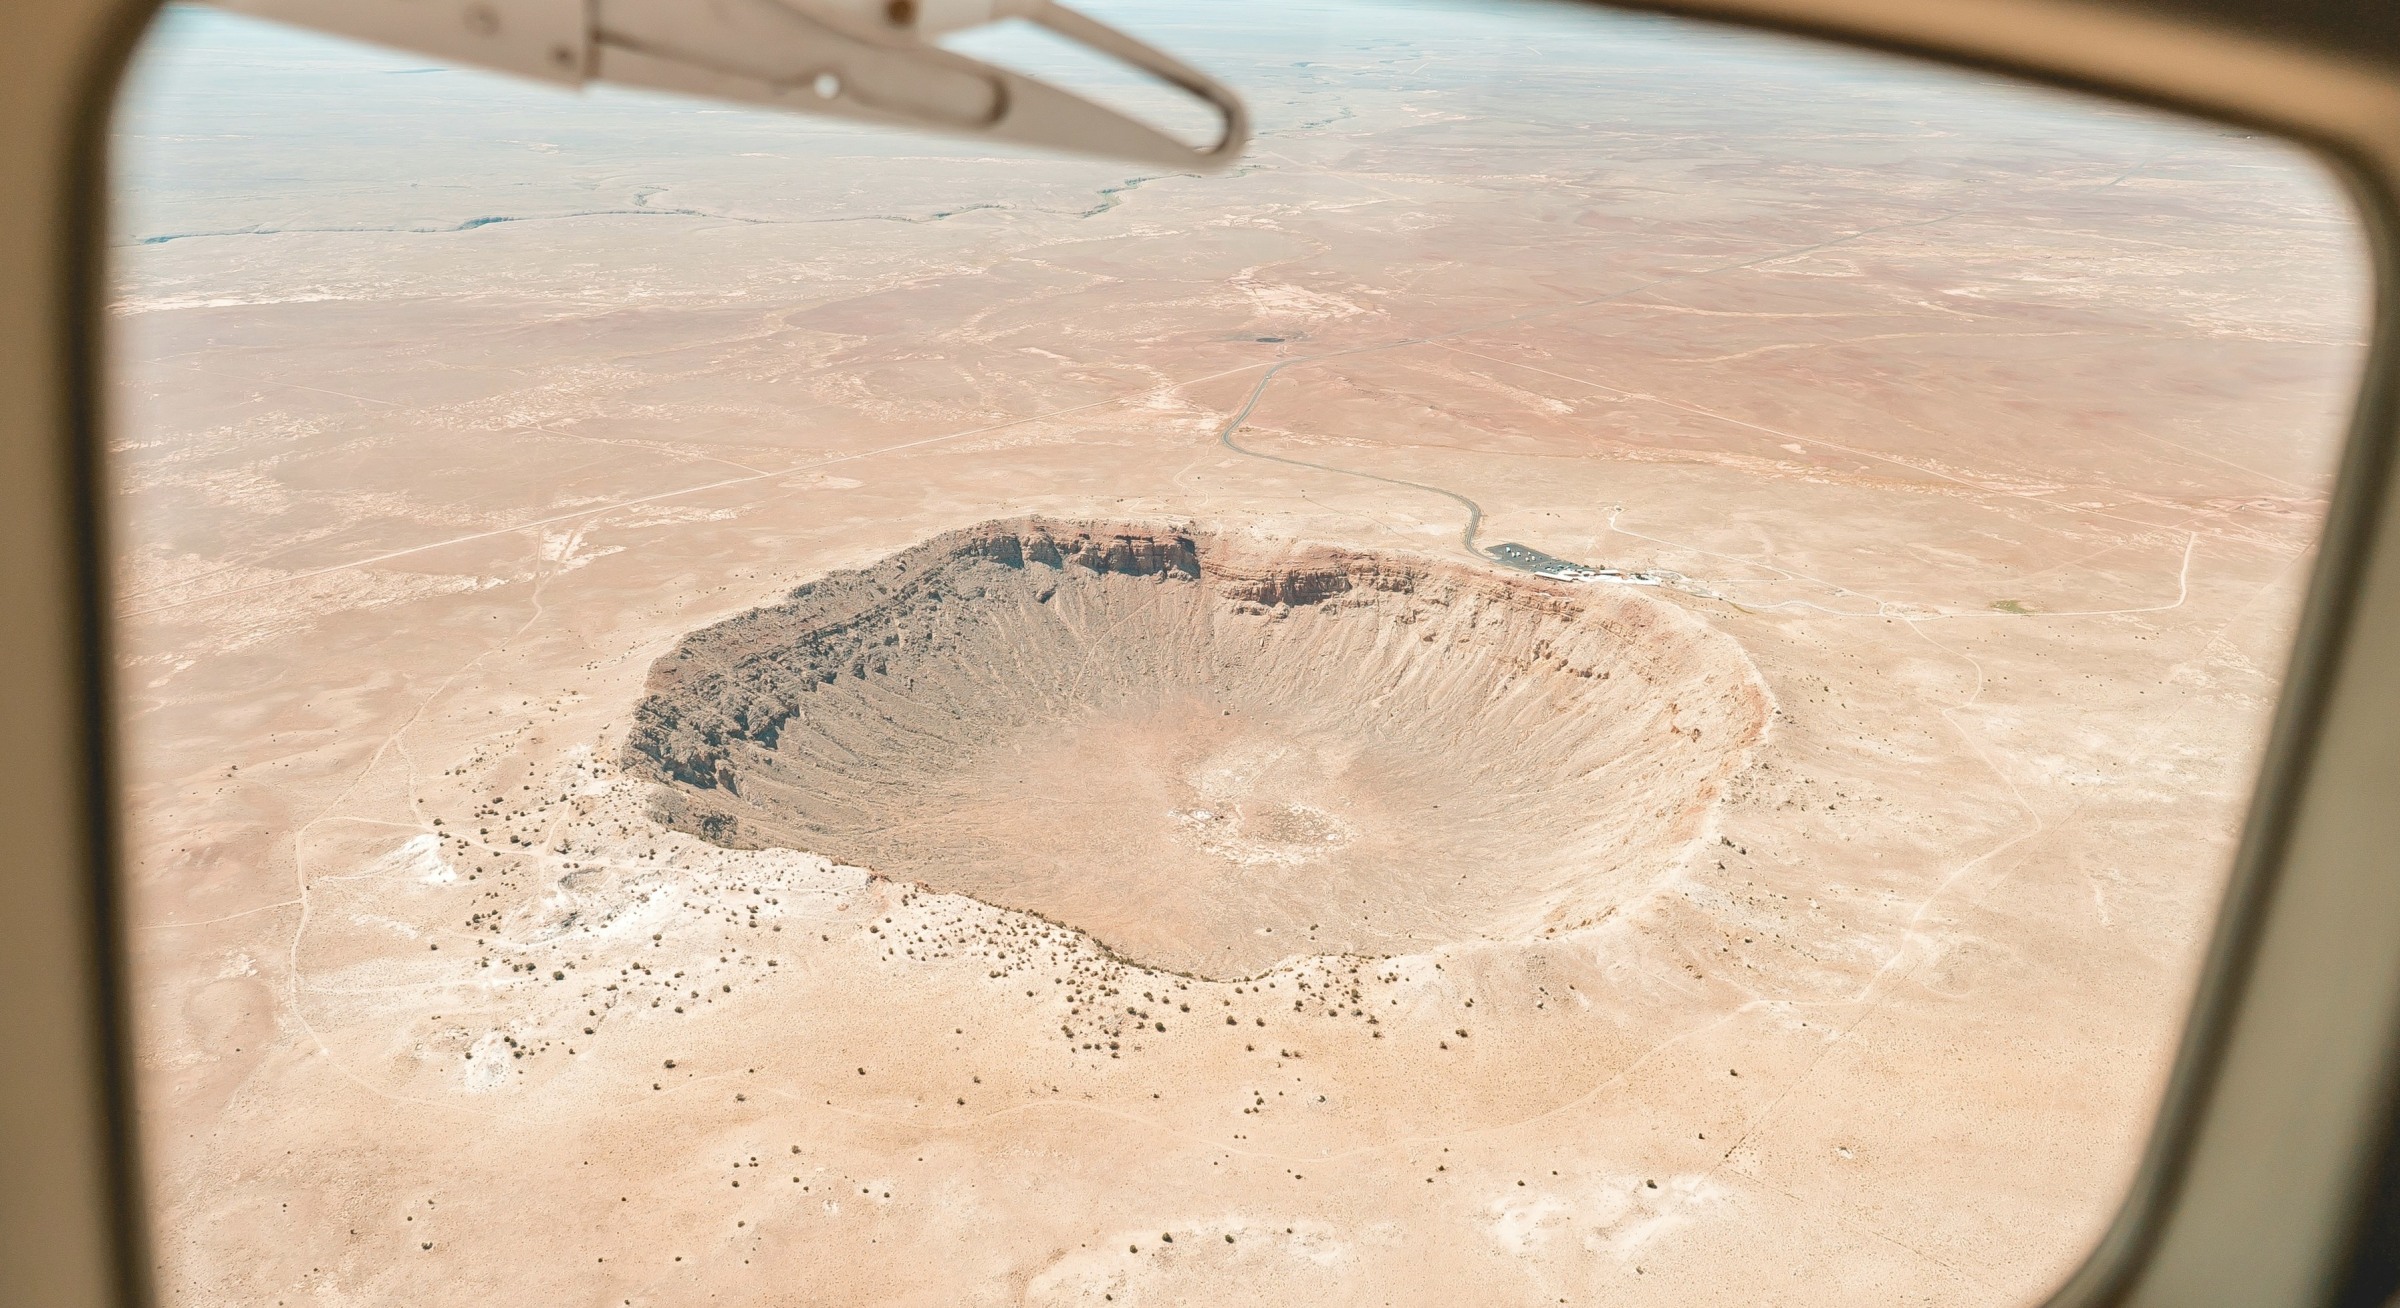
(2278,1107)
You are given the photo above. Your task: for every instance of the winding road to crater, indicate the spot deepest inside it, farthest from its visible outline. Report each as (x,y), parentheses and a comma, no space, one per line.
(1466,537)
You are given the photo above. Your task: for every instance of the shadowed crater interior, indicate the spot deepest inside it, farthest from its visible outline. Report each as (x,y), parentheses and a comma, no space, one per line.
(1210,751)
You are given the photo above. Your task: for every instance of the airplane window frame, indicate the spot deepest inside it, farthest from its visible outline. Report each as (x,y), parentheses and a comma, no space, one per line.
(2277,1117)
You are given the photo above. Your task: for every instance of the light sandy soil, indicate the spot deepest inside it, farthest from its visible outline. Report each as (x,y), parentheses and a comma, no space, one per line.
(1982,442)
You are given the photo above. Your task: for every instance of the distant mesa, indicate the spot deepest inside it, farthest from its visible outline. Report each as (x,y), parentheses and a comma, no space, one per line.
(1210,751)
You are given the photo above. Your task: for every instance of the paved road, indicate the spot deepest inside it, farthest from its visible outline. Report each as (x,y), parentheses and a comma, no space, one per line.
(1466,538)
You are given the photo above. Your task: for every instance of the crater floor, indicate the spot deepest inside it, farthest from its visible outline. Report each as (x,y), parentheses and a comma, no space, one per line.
(1210,752)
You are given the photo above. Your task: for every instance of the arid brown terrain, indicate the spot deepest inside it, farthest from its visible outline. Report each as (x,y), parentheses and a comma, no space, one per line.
(1209,868)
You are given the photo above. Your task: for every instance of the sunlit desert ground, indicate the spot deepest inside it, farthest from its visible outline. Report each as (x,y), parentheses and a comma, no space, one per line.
(538,898)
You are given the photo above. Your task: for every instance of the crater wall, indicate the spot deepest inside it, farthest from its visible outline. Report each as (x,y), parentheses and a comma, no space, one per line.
(1209,751)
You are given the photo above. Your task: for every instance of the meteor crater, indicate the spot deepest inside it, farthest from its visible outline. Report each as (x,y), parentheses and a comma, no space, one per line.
(1211,751)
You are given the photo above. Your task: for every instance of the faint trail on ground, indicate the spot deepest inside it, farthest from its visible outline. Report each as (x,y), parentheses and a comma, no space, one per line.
(1873,998)
(331,812)
(1981,488)
(1466,537)
(212,921)
(1906,957)
(595,510)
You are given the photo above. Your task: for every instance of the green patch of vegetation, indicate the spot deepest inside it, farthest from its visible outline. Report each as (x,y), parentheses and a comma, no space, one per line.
(2011,606)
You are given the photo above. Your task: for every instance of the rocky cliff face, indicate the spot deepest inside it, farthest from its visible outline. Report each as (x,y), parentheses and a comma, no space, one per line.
(1209,751)
(741,680)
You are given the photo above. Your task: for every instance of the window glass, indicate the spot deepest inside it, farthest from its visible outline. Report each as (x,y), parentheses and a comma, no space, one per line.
(1623,669)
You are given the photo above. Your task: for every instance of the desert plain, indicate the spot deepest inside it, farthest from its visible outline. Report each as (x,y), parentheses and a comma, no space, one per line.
(721,708)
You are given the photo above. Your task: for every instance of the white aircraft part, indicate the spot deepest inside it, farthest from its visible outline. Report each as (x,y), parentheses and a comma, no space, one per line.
(548,39)
(863,59)
(762,52)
